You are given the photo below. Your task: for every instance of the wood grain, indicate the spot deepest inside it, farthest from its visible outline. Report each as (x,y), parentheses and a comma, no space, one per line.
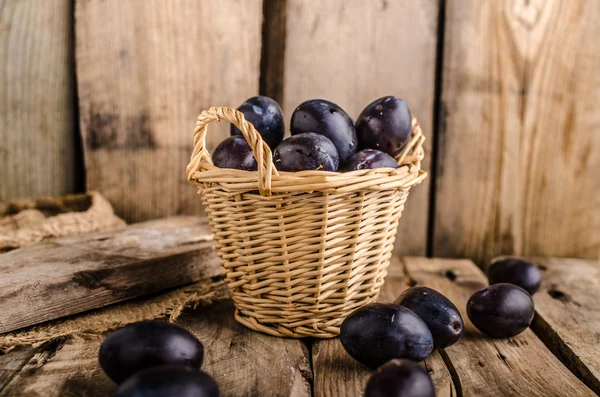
(338,374)
(519,152)
(568,315)
(11,364)
(145,70)
(245,362)
(62,369)
(519,366)
(74,274)
(37,100)
(352,52)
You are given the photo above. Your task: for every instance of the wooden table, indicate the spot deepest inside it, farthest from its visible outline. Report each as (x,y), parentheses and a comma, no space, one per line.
(559,356)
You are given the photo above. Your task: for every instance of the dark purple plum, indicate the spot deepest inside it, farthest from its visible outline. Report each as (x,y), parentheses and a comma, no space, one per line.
(439,313)
(148,344)
(379,332)
(368,159)
(234,152)
(169,381)
(266,116)
(303,152)
(400,378)
(516,271)
(385,125)
(328,119)
(501,310)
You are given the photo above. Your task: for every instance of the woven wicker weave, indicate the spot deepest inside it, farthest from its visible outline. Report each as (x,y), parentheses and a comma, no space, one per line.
(312,246)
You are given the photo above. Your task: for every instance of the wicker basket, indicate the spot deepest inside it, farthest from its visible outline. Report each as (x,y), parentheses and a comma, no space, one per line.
(301,250)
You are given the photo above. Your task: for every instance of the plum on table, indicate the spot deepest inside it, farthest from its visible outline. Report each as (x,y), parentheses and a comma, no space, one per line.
(516,271)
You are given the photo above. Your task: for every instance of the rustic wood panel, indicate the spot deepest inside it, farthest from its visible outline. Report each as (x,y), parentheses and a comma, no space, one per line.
(338,374)
(145,70)
(37,120)
(568,315)
(519,366)
(352,52)
(519,152)
(74,274)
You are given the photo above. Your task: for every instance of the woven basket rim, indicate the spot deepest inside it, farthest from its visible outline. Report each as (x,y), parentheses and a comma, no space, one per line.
(202,171)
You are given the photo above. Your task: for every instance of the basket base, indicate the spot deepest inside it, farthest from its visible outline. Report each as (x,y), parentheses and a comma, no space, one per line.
(316,331)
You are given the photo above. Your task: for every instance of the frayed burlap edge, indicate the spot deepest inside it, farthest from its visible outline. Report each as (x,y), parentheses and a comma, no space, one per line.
(31,226)
(168,305)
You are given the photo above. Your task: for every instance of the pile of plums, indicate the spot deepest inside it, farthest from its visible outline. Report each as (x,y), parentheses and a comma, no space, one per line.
(393,336)
(323,136)
(156,359)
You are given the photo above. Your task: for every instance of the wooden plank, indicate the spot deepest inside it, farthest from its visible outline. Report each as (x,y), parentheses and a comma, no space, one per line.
(244,362)
(568,315)
(37,100)
(145,70)
(519,366)
(396,46)
(62,368)
(12,363)
(74,274)
(338,374)
(519,151)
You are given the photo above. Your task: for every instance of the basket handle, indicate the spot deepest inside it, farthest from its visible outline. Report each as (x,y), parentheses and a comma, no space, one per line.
(262,152)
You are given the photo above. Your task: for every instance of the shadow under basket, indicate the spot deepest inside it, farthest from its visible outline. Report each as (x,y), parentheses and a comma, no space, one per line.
(301,250)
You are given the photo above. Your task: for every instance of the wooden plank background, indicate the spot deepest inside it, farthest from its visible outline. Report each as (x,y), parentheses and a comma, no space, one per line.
(506,92)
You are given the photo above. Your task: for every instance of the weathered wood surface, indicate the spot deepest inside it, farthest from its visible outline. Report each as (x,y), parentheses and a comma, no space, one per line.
(568,315)
(249,363)
(352,52)
(74,274)
(519,366)
(519,149)
(338,374)
(145,70)
(38,145)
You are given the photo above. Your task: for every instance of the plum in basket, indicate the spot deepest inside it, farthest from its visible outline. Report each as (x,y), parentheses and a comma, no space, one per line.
(266,116)
(234,152)
(303,152)
(368,159)
(328,119)
(385,124)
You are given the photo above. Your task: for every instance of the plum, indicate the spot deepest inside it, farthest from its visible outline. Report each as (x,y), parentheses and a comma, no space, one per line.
(516,271)
(400,378)
(266,116)
(379,332)
(439,313)
(148,344)
(501,310)
(385,124)
(368,159)
(328,119)
(308,151)
(234,152)
(169,381)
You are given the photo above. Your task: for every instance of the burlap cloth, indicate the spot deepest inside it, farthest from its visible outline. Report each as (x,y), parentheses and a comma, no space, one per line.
(30,221)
